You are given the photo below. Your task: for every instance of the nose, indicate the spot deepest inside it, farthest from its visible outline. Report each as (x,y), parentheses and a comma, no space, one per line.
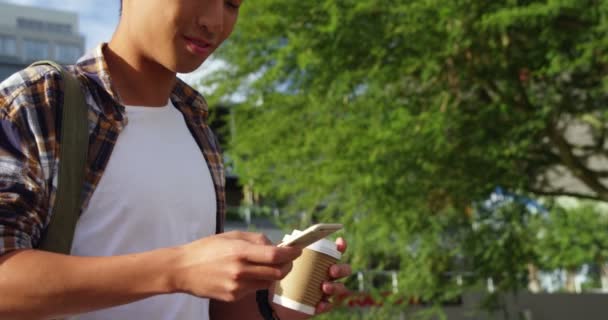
(211,18)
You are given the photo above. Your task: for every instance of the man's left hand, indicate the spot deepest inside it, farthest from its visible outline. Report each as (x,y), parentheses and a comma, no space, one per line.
(334,289)
(330,289)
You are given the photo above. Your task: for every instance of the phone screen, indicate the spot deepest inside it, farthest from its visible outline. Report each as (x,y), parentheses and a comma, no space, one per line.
(311,235)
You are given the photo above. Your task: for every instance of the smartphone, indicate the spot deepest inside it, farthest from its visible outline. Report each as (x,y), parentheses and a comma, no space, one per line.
(311,235)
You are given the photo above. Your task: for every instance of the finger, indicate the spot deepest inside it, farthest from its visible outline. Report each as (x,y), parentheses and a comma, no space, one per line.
(338,271)
(334,289)
(270,255)
(323,307)
(252,237)
(341,244)
(264,273)
(286,269)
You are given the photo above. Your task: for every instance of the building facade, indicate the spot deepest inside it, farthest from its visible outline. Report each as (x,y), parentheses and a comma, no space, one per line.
(29,34)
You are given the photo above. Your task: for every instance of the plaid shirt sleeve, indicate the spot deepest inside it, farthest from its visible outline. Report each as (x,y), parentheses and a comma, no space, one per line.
(28,155)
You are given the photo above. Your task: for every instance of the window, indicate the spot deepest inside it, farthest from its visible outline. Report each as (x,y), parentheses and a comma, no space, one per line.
(35,49)
(8,45)
(39,25)
(67,53)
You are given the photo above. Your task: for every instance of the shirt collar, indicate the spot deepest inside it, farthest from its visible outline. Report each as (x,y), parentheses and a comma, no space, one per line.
(93,65)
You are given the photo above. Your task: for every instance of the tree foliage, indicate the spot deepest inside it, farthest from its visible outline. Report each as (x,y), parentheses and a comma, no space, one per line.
(572,237)
(394,117)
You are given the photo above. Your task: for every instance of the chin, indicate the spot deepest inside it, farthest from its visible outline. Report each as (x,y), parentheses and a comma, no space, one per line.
(187,66)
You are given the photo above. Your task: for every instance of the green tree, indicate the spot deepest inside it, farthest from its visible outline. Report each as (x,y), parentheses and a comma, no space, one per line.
(501,245)
(572,237)
(395,116)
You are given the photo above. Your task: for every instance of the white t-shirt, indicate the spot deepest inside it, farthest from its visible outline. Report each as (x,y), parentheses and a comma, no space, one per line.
(156,192)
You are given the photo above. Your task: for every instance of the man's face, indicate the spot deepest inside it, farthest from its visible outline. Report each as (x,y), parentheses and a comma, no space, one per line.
(179,34)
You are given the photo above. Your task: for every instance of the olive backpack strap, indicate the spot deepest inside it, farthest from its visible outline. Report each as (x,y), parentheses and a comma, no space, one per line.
(74,142)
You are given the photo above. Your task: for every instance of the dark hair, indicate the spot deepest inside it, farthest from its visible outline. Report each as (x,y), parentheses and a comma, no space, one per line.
(120,10)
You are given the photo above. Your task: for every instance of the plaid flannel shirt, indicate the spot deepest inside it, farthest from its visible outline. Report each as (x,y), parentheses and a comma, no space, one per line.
(30,109)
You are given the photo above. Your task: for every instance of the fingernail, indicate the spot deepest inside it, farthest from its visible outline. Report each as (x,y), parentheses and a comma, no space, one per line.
(335,271)
(327,288)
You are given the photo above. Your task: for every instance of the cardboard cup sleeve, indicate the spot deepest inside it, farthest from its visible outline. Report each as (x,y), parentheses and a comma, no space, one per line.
(301,289)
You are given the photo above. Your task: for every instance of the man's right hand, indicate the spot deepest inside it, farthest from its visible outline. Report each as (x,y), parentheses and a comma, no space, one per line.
(230,266)
(223,267)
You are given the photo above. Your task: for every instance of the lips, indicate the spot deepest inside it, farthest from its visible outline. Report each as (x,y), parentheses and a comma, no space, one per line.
(198,46)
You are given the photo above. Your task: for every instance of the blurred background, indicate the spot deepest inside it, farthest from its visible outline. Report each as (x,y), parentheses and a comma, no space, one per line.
(462,143)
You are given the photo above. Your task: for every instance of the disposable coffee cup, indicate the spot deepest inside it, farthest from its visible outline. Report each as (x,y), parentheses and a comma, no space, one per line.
(301,289)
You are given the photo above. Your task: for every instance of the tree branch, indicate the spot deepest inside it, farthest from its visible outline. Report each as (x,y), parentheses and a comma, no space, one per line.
(601,141)
(556,193)
(574,164)
(600,173)
(593,150)
(525,101)
(493,88)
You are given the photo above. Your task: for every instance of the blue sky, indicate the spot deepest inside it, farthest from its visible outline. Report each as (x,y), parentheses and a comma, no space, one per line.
(98,18)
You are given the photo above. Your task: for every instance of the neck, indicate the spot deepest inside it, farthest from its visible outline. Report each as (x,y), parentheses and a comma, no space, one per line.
(137,79)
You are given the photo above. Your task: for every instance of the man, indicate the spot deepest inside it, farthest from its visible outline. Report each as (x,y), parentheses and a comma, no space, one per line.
(144,246)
